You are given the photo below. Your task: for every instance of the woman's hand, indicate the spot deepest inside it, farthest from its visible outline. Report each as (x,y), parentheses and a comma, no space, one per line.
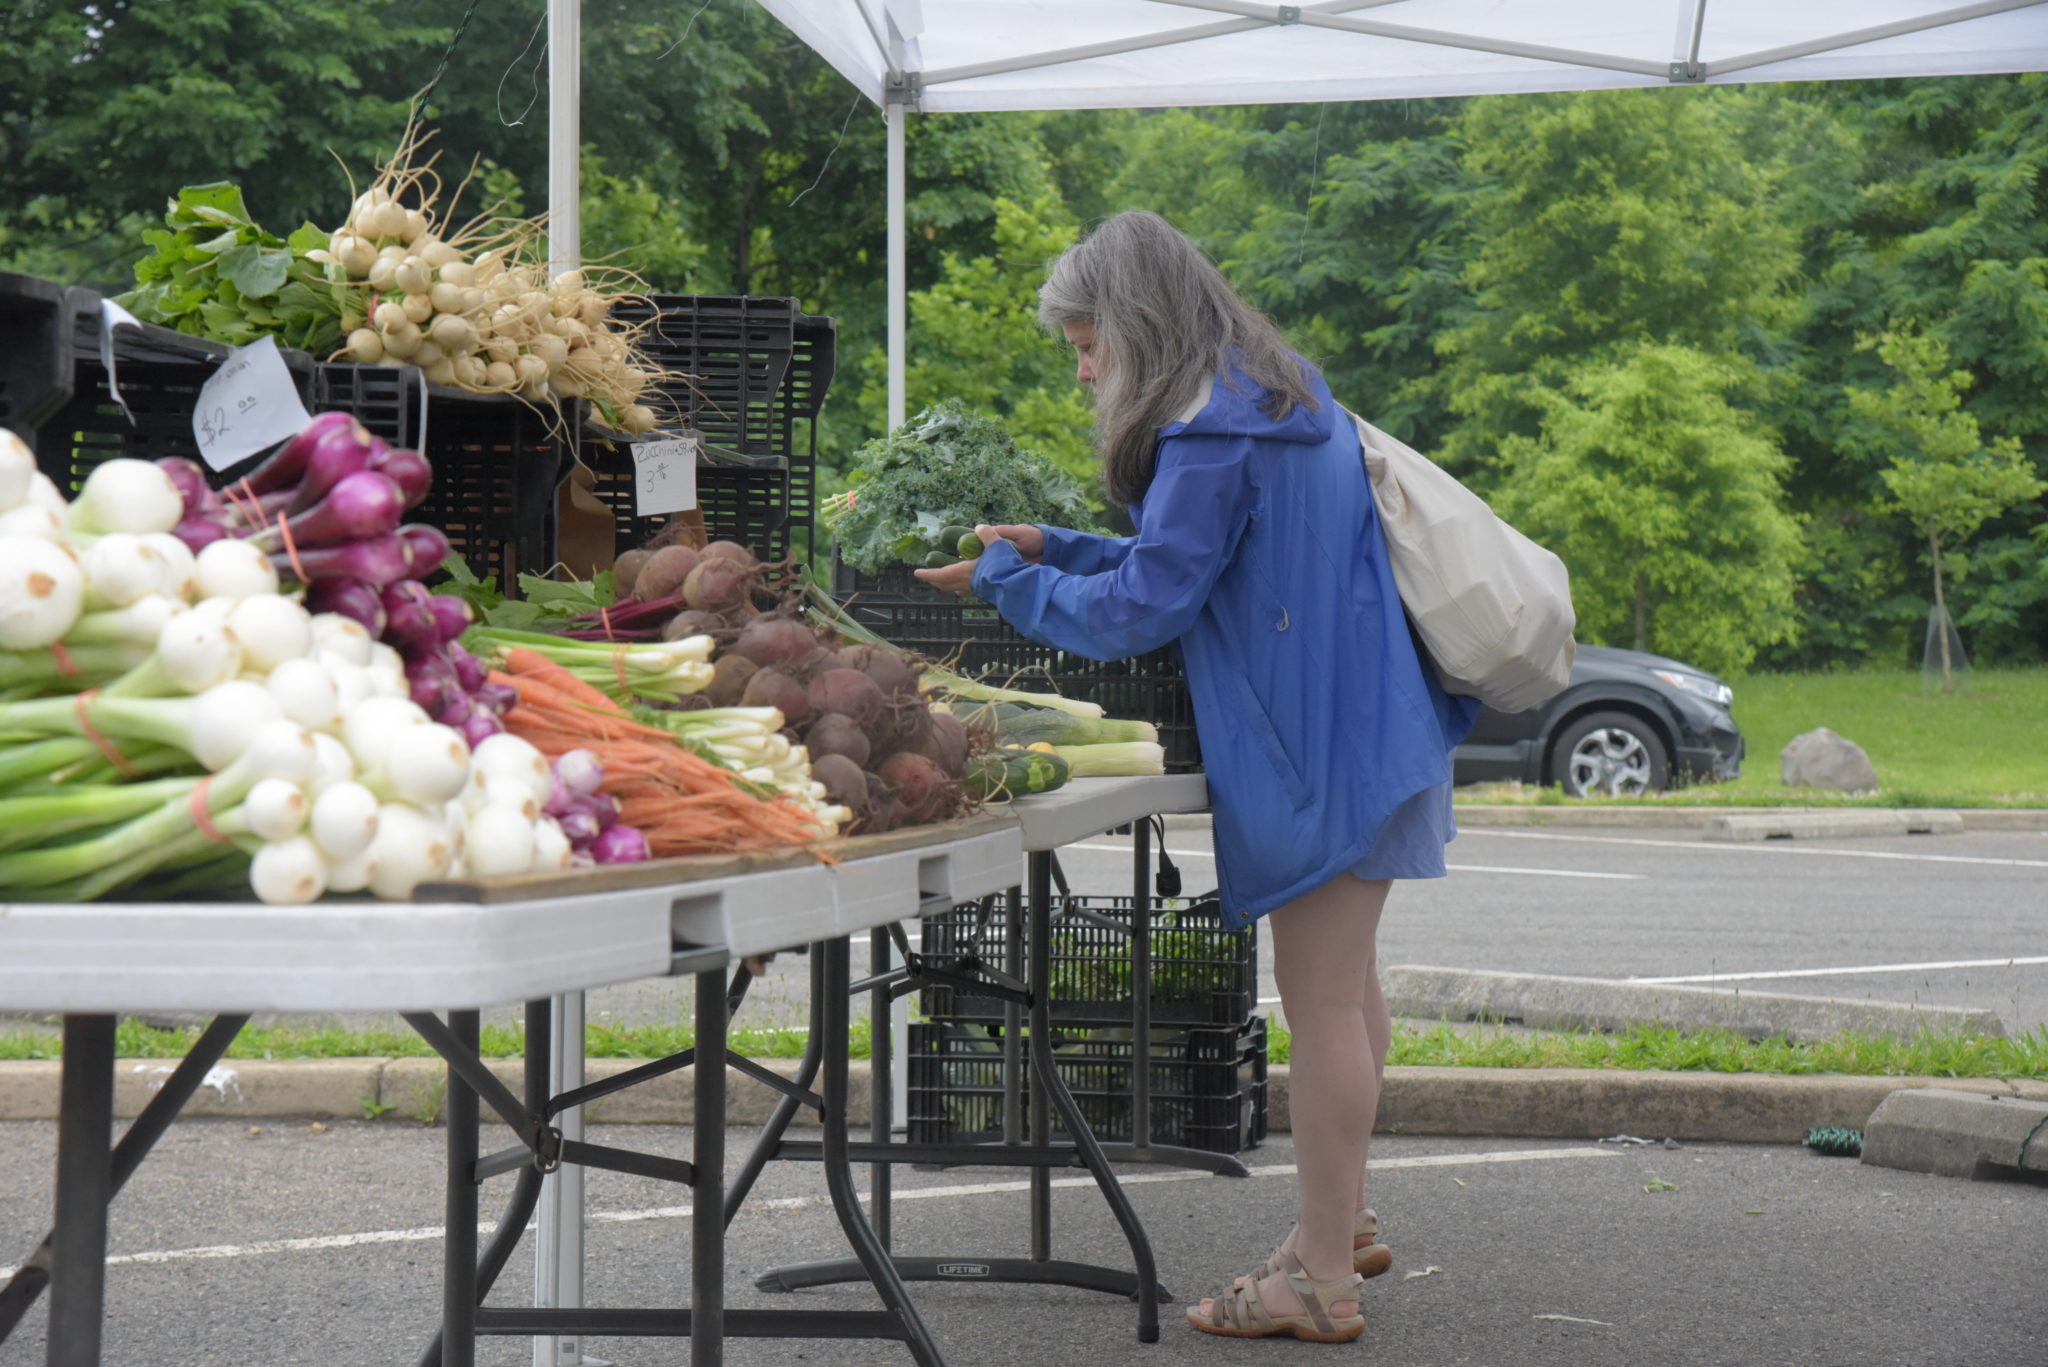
(952,578)
(1029,541)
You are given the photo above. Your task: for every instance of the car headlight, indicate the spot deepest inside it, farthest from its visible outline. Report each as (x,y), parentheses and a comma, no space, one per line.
(1718,693)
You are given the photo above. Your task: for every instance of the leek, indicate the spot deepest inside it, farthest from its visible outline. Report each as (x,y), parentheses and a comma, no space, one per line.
(1124,760)
(1024,725)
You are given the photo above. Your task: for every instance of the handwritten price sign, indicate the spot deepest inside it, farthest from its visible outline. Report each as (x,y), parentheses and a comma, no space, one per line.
(250,404)
(664,476)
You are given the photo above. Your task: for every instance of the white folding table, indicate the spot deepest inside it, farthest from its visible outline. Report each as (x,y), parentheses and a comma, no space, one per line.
(457,949)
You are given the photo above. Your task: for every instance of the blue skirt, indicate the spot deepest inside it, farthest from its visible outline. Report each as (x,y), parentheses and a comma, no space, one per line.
(1411,843)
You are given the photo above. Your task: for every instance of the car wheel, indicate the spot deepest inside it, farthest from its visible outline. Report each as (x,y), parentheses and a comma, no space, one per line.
(1610,754)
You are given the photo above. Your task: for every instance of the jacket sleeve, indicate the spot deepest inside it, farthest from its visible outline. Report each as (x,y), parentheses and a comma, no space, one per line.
(1194,514)
(1083,552)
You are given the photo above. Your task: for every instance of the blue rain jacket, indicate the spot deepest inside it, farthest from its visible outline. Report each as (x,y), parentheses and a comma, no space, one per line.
(1259,551)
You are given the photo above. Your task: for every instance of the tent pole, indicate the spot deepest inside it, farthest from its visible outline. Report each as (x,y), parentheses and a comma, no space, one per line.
(558,1244)
(893,111)
(565,135)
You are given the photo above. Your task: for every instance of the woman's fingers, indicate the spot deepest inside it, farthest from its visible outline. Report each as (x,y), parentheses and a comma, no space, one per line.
(1029,541)
(952,578)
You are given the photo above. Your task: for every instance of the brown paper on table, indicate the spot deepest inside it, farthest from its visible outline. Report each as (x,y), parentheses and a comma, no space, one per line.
(586,531)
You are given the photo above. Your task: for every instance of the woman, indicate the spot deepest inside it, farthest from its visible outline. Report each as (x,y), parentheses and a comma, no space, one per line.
(1326,739)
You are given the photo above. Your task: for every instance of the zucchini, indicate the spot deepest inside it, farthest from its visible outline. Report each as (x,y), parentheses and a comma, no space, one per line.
(1003,774)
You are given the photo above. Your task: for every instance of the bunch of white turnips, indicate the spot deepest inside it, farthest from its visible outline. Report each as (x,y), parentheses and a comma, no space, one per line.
(319,762)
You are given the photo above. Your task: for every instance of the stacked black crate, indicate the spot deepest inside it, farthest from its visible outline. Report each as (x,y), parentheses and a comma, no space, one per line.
(1208,1048)
(496,460)
(747,376)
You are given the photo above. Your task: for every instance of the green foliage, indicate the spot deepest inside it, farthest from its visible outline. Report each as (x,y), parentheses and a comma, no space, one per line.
(1942,476)
(108,108)
(1927,1054)
(977,341)
(1605,222)
(1663,500)
(215,273)
(1447,262)
(947,466)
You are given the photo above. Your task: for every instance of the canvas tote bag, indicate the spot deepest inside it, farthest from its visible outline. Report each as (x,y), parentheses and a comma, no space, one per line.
(1493,608)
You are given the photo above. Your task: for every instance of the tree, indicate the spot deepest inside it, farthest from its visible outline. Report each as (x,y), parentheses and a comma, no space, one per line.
(1942,475)
(109,109)
(1920,199)
(1663,499)
(1605,222)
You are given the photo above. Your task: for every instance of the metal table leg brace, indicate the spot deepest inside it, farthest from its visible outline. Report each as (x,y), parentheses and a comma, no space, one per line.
(1040,1154)
(71,1260)
(705,1321)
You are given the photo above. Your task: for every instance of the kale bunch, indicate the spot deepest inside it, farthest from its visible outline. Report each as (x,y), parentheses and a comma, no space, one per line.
(946,467)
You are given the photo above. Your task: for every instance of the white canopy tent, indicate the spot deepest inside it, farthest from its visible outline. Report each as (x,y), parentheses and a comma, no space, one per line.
(943,56)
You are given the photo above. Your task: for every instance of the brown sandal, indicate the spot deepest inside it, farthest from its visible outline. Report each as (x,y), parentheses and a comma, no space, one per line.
(1242,1315)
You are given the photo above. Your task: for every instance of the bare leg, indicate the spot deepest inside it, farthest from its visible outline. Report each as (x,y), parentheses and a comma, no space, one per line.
(1322,953)
(1379,1029)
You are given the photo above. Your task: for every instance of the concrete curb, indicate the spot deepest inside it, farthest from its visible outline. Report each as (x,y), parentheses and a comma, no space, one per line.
(1557,1003)
(1832,824)
(1535,814)
(1491,1102)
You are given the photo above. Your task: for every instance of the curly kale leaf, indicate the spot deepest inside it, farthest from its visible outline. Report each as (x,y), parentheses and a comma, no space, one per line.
(948,466)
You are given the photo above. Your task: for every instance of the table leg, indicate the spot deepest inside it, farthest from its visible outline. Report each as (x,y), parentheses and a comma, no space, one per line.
(707,1192)
(1039,975)
(85,1183)
(459,1247)
(832,1011)
(881,1104)
(28,1282)
(1047,1087)
(1141,985)
(1013,1018)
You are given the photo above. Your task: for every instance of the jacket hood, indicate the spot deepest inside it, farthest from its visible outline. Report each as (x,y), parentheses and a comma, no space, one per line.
(1233,410)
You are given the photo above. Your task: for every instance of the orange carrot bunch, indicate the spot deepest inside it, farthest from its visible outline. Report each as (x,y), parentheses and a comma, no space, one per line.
(682,802)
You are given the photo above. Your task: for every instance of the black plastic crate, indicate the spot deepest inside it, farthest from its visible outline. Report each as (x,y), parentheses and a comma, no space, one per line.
(968,637)
(36,326)
(496,460)
(1202,973)
(750,376)
(1208,1086)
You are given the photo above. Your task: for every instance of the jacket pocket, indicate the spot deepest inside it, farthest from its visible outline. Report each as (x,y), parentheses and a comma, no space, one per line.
(1252,715)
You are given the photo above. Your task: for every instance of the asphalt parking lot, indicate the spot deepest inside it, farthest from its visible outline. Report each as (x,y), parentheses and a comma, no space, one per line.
(266,1245)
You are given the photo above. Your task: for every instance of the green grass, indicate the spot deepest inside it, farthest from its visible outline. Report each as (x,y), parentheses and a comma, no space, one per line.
(133,1039)
(1716,1051)
(1981,747)
(1929,1055)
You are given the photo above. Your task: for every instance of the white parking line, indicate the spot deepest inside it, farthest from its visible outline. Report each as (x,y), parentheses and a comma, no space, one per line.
(427,1233)
(1748,847)
(1458,868)
(1842,972)
(1542,873)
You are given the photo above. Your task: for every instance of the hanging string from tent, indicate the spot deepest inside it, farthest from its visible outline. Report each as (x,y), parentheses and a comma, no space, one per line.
(1308,197)
(686,30)
(847,123)
(511,66)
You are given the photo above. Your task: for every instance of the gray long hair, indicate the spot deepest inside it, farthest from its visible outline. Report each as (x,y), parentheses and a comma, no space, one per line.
(1164,321)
